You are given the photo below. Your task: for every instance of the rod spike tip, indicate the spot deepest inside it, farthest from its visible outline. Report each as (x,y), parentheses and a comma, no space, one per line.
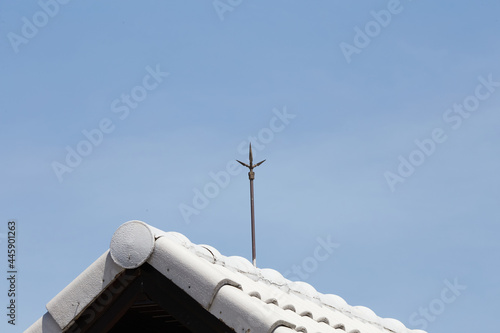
(256,165)
(250,157)
(244,164)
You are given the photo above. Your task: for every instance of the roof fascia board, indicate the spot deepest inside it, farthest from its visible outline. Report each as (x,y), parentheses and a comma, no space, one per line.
(111,304)
(76,296)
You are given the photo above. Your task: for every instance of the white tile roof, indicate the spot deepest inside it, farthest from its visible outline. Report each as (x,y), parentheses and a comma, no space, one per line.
(245,298)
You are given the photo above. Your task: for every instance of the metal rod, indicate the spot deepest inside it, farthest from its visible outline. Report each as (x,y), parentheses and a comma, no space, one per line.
(251,177)
(252,212)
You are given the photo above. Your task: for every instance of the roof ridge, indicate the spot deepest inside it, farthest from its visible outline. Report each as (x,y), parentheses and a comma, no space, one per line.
(300,288)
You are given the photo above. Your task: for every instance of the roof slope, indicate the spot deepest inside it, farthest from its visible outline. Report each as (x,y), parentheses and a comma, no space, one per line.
(245,298)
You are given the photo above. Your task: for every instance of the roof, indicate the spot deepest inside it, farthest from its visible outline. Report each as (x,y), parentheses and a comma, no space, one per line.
(245,298)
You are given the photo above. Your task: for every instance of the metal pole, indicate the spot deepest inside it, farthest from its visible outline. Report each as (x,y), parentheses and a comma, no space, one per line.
(251,176)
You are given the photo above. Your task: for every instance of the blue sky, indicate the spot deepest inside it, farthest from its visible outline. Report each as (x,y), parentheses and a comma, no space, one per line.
(390,151)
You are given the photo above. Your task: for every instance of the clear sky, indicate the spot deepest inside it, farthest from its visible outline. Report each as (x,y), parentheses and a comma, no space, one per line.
(378,119)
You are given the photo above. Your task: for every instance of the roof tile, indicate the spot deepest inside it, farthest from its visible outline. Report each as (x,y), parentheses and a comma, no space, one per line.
(231,288)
